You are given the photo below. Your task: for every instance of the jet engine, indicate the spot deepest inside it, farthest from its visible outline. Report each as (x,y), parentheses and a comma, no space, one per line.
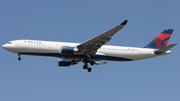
(66,50)
(65,62)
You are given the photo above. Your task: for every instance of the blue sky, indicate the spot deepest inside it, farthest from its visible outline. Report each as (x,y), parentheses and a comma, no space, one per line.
(40,79)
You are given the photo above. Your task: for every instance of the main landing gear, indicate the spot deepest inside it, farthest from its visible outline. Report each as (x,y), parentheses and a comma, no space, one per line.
(86,67)
(86,61)
(19,58)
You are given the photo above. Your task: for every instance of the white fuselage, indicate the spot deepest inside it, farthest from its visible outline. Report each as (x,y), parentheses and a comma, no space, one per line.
(106,52)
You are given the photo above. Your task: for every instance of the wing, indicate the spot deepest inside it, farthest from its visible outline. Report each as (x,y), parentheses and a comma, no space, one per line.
(91,46)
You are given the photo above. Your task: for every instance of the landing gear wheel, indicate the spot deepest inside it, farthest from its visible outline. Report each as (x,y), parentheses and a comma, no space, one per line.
(92,63)
(85,67)
(89,69)
(19,58)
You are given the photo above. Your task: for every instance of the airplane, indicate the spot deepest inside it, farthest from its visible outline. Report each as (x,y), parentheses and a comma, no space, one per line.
(93,50)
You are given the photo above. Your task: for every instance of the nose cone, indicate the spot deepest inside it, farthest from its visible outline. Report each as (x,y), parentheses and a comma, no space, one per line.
(9,47)
(4,46)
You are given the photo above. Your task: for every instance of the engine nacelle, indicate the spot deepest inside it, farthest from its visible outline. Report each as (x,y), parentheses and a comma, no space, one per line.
(67,50)
(65,62)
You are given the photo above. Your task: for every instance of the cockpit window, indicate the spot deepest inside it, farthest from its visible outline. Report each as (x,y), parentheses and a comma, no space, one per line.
(9,42)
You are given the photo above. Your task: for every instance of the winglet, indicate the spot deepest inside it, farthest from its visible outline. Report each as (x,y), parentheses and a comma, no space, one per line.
(124,23)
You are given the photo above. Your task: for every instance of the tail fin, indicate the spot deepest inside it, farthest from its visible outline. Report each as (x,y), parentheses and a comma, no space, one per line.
(161,40)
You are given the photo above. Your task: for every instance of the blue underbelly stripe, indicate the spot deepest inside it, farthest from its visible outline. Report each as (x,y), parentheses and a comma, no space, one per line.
(96,57)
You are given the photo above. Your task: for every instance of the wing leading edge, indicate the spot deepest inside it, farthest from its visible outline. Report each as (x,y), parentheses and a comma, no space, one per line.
(91,46)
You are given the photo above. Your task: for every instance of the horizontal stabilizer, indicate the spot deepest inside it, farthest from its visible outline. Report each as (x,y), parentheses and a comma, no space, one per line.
(164,49)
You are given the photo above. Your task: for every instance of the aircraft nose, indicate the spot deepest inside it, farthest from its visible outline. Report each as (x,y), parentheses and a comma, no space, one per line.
(4,46)
(8,47)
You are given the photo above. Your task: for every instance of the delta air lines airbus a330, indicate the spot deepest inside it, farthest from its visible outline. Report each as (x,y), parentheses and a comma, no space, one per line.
(93,50)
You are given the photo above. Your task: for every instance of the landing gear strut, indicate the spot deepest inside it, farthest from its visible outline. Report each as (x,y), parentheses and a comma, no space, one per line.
(19,58)
(88,60)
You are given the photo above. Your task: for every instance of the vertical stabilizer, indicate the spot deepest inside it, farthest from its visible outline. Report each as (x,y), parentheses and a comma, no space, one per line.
(161,40)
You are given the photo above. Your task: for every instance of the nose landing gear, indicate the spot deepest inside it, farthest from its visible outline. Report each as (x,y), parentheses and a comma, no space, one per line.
(19,58)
